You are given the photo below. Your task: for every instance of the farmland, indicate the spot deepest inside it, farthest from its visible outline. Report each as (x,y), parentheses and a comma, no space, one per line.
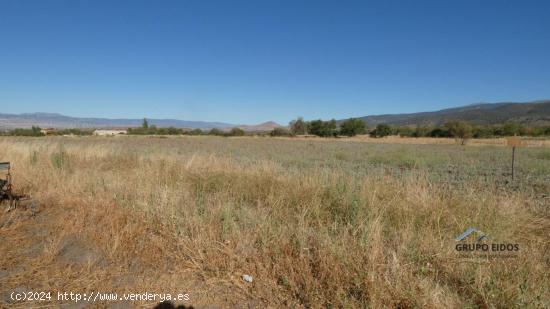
(316,223)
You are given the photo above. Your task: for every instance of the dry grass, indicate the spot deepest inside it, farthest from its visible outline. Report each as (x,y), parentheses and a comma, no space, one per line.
(527,141)
(313,223)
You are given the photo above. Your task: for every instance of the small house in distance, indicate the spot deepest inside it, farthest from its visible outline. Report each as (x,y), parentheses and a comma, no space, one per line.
(48,131)
(110,132)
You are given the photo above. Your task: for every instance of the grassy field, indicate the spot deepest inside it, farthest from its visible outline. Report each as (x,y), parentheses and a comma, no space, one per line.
(317,223)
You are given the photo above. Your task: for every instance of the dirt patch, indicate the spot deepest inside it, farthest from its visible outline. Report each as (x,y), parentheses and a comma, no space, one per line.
(81,249)
(75,250)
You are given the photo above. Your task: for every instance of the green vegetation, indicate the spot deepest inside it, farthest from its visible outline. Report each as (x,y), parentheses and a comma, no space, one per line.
(381,131)
(298,126)
(460,130)
(352,127)
(457,129)
(280,132)
(78,132)
(323,128)
(146,129)
(236,132)
(194,132)
(34,131)
(463,130)
(216,131)
(233,132)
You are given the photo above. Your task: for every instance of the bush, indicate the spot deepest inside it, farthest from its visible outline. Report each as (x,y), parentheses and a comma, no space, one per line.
(404,131)
(298,126)
(280,132)
(482,132)
(34,131)
(459,130)
(381,131)
(512,128)
(79,132)
(323,128)
(236,132)
(194,132)
(153,130)
(352,127)
(216,131)
(439,132)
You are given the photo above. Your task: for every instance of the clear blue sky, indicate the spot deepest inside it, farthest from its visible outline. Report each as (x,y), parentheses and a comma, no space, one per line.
(253,61)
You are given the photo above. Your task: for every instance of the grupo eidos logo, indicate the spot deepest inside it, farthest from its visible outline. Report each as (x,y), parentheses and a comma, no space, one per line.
(482,243)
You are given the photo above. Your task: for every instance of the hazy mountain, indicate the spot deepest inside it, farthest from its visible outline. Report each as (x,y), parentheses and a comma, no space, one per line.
(262,127)
(530,113)
(58,121)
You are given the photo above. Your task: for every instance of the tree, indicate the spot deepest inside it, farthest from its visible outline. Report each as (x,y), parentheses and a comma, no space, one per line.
(298,126)
(512,128)
(316,127)
(459,130)
(236,132)
(439,132)
(404,131)
(145,124)
(381,131)
(330,128)
(421,131)
(352,127)
(323,128)
(482,132)
(279,131)
(34,131)
(215,131)
(195,132)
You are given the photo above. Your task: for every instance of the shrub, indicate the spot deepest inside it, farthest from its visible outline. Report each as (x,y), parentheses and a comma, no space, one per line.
(236,132)
(404,131)
(439,132)
(512,128)
(323,128)
(482,132)
(280,132)
(34,131)
(421,131)
(459,130)
(216,131)
(194,132)
(352,127)
(298,126)
(381,131)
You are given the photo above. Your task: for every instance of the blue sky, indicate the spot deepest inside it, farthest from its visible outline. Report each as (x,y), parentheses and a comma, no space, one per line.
(253,61)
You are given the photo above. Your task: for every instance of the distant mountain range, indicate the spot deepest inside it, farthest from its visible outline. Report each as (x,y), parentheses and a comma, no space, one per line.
(58,121)
(531,113)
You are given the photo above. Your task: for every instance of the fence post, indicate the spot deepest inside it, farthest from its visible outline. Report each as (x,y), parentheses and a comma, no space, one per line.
(514,141)
(513,161)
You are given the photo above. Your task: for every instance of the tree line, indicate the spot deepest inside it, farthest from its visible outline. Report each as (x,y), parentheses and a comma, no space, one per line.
(453,129)
(37,131)
(350,127)
(461,129)
(147,129)
(299,126)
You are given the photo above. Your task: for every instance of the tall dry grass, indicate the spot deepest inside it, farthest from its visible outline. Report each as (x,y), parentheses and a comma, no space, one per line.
(313,237)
